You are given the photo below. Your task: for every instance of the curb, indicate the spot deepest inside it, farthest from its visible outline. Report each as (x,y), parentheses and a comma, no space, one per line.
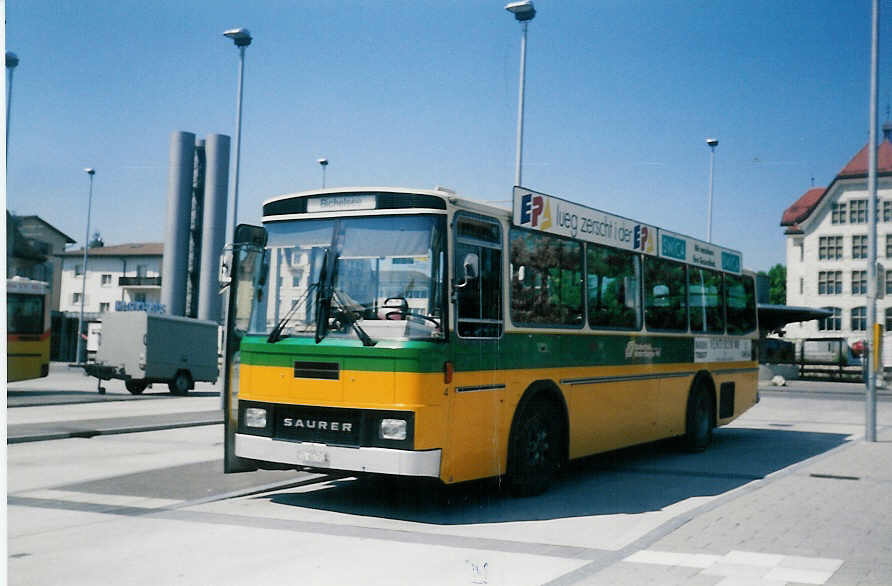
(88,432)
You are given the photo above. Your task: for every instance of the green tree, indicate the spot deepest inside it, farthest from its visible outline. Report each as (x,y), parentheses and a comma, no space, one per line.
(777,284)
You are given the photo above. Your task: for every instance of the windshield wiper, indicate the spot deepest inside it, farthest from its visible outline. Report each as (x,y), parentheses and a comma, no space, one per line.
(276,334)
(353,317)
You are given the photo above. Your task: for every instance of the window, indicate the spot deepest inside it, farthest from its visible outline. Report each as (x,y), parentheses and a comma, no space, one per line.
(142,270)
(859,246)
(106,280)
(740,302)
(78,270)
(705,294)
(859,282)
(612,277)
(858,211)
(546,280)
(801,285)
(104,307)
(297,276)
(838,215)
(24,313)
(830,283)
(664,295)
(888,245)
(889,282)
(478,298)
(75,297)
(859,319)
(139,297)
(830,248)
(888,318)
(887,211)
(832,323)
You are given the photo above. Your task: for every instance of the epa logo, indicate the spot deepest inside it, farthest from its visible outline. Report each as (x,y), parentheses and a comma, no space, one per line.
(535,210)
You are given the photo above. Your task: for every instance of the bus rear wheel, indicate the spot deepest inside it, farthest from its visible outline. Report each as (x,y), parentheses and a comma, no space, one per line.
(699,422)
(535,449)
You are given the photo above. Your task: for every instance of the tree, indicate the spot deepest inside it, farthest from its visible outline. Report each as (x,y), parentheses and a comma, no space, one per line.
(777,284)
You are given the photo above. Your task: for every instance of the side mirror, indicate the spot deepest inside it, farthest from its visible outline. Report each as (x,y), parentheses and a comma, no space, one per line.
(471,266)
(225,276)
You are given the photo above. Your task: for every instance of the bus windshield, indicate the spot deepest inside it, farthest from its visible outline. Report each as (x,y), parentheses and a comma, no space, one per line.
(373,278)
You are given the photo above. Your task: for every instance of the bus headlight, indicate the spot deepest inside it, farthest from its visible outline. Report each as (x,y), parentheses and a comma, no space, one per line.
(255,417)
(393,429)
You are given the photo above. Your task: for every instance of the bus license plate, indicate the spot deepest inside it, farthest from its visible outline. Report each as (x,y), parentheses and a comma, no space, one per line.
(312,454)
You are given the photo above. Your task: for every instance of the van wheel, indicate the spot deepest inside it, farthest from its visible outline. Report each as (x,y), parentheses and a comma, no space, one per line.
(136,387)
(181,383)
(535,449)
(698,427)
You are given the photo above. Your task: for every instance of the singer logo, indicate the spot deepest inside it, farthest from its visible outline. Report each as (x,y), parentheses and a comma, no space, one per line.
(535,210)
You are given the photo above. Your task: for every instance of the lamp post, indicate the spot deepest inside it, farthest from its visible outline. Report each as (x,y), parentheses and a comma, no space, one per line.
(524,12)
(80,322)
(242,38)
(11,61)
(323,162)
(712,142)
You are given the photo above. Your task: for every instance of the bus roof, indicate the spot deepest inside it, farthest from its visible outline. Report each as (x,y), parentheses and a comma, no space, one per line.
(530,209)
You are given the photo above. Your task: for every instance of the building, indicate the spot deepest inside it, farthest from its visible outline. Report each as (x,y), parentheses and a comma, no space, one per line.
(126,277)
(826,230)
(49,242)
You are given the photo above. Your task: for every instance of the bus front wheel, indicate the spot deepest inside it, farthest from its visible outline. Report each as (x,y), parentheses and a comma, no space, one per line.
(699,423)
(535,449)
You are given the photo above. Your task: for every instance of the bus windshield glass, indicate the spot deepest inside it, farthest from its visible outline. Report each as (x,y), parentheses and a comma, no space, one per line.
(373,278)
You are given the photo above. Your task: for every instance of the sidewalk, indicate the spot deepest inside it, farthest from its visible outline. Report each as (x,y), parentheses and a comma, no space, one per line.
(825,521)
(65,404)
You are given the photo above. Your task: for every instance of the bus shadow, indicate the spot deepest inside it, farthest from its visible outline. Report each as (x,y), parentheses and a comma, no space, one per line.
(635,480)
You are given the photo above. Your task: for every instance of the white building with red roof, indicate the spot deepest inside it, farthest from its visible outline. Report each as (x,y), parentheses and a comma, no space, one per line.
(826,231)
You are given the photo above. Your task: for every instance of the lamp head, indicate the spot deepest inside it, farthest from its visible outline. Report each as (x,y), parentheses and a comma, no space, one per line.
(712,142)
(323,161)
(90,171)
(522,11)
(11,60)
(240,36)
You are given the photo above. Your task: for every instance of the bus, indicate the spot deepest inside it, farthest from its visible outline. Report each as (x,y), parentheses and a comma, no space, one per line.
(417,333)
(27,329)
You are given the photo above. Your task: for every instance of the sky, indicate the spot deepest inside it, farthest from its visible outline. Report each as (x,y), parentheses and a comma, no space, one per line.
(620,97)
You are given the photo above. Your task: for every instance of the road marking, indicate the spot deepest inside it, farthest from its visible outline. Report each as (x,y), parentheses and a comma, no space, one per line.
(752,567)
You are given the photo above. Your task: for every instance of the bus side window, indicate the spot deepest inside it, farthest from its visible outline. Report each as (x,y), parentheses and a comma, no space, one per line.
(665,300)
(479,298)
(740,301)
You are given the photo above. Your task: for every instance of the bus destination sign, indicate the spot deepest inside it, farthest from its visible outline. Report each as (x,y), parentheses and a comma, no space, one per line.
(342,202)
(547,213)
(699,253)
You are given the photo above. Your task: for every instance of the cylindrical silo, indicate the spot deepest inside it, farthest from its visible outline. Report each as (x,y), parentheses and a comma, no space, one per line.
(179,208)
(216,188)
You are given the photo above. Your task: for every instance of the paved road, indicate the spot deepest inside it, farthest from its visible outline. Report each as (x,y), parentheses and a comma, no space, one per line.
(788,494)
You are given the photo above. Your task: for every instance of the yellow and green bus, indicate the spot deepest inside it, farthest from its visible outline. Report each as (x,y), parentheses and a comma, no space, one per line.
(417,333)
(27,329)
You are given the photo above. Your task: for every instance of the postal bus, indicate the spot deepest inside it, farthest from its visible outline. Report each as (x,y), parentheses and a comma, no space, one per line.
(414,332)
(27,329)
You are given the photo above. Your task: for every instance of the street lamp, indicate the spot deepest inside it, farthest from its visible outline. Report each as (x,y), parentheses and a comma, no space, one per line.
(242,38)
(11,61)
(80,322)
(323,162)
(712,142)
(524,12)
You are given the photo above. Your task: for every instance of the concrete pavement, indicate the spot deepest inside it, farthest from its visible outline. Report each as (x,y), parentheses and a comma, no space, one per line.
(789,494)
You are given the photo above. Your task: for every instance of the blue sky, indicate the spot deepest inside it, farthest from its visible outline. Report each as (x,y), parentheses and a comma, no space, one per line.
(620,97)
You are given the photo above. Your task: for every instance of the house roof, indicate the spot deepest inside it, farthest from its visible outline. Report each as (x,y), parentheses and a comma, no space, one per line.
(68,239)
(856,168)
(130,249)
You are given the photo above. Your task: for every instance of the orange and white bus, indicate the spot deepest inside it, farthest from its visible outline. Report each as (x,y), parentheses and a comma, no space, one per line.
(27,329)
(414,332)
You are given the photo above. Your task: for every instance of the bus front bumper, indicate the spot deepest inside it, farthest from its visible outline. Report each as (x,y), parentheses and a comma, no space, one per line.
(321,456)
